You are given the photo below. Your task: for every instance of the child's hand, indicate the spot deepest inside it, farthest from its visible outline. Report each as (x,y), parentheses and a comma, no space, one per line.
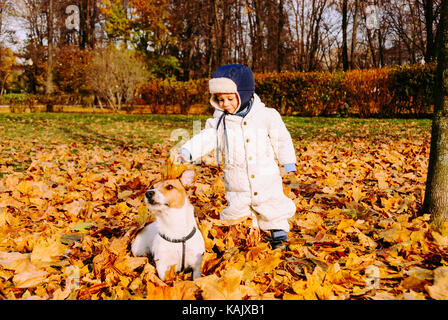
(287,175)
(288,170)
(180,158)
(290,174)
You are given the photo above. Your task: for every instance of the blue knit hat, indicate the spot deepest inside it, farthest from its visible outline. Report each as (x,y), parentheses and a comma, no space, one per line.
(232,78)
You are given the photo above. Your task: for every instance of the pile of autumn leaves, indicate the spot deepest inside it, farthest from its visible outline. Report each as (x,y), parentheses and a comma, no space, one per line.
(67,221)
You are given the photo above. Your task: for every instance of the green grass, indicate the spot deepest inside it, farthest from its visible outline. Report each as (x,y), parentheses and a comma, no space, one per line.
(144,130)
(102,130)
(309,128)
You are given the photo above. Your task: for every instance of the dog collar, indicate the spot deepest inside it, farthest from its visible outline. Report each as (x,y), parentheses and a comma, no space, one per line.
(181,240)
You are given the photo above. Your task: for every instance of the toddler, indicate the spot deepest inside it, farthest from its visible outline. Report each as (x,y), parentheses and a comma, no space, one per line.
(248,137)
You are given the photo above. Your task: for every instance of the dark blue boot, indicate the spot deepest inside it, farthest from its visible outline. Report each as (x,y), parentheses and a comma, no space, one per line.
(278,239)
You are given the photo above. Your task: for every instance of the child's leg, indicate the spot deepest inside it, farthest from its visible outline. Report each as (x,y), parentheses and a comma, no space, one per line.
(238,207)
(274,213)
(273,219)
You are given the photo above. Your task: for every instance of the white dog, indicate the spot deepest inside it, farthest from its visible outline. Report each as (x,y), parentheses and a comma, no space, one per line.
(174,238)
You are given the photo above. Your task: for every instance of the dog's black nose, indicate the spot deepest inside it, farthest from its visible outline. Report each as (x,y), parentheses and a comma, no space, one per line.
(149,194)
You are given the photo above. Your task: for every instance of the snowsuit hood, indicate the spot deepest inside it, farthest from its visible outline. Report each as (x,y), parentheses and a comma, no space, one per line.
(232,78)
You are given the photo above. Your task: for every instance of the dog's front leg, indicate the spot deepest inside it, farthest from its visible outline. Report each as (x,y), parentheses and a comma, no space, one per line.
(161,271)
(162,266)
(197,272)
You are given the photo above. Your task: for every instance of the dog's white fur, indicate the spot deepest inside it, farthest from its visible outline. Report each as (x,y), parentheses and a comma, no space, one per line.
(174,223)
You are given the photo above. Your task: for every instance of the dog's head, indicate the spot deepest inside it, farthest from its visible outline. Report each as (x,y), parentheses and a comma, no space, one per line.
(169,193)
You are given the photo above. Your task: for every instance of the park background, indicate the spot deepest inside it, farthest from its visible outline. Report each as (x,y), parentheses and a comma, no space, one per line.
(362,58)
(96,93)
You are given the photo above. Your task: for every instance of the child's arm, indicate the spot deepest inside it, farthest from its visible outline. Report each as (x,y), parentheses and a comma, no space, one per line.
(201,144)
(281,142)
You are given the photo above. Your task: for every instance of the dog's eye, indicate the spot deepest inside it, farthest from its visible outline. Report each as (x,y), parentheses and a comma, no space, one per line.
(169,187)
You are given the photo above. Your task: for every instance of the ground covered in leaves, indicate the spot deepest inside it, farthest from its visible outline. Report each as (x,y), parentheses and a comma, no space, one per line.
(71,190)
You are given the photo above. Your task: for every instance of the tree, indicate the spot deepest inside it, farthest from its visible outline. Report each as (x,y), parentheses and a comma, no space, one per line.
(115,75)
(71,69)
(145,25)
(431,9)
(436,194)
(344,36)
(354,34)
(49,83)
(309,19)
(7,64)
(88,12)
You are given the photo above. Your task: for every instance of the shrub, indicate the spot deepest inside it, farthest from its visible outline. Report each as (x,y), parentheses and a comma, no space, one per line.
(307,94)
(367,91)
(115,75)
(412,89)
(385,92)
(165,95)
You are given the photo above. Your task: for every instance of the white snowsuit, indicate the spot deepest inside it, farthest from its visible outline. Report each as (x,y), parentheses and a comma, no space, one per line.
(251,174)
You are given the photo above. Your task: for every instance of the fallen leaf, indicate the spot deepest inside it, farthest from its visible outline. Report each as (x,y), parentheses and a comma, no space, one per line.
(29,279)
(225,288)
(439,290)
(47,251)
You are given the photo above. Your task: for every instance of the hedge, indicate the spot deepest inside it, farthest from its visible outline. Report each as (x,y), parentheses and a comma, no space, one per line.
(164,95)
(385,92)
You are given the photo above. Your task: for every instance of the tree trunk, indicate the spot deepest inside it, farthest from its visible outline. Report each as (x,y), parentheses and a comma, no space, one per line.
(354,33)
(344,36)
(259,37)
(49,83)
(380,49)
(372,47)
(281,23)
(436,195)
(429,21)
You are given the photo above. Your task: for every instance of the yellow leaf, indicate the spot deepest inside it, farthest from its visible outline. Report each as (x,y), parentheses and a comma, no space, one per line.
(119,246)
(289,296)
(75,207)
(356,262)
(47,251)
(357,193)
(181,290)
(143,216)
(331,180)
(439,290)
(29,279)
(345,224)
(225,288)
(125,194)
(60,294)
(12,260)
(127,264)
(269,263)
(366,241)
(172,169)
(397,233)
(2,217)
(122,207)
(25,187)
(311,221)
(441,241)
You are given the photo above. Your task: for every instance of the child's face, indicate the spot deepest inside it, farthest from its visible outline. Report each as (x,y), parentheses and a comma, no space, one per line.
(227,101)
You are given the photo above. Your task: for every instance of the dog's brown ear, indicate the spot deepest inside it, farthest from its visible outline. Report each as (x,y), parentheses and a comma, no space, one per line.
(187,178)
